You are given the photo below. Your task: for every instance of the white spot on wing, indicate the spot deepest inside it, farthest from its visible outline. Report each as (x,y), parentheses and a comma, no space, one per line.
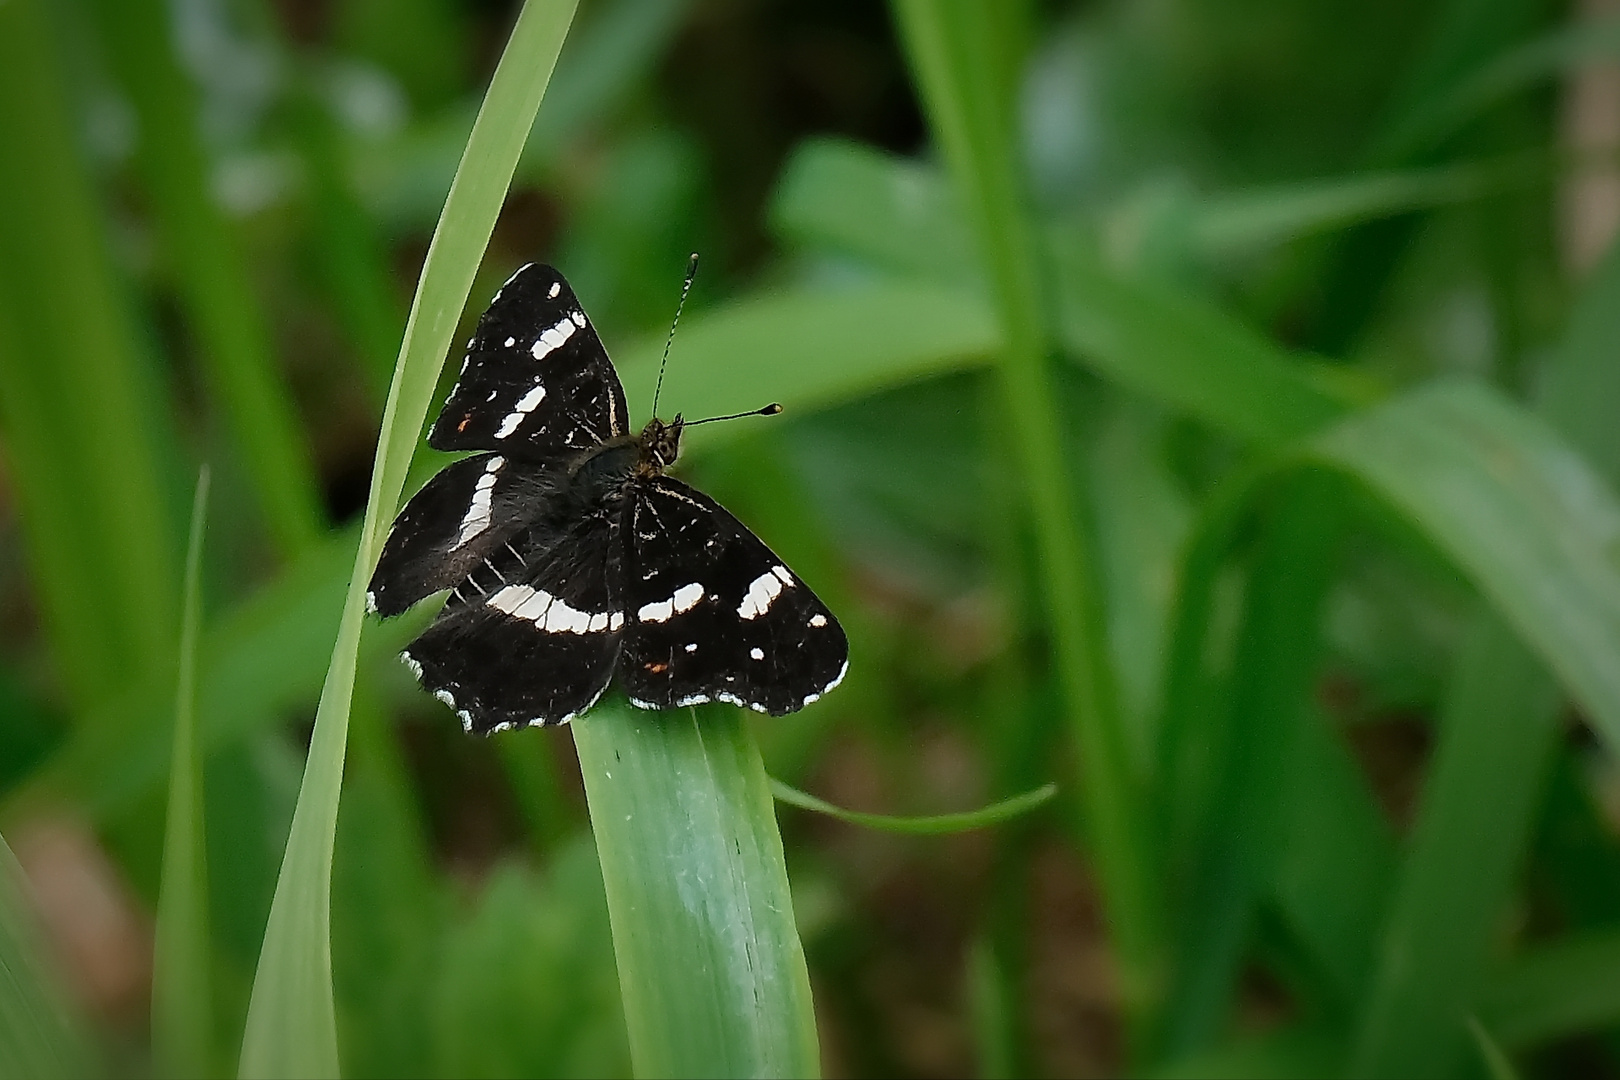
(446,697)
(510,342)
(476,520)
(757,653)
(556,287)
(763,591)
(818,620)
(691,646)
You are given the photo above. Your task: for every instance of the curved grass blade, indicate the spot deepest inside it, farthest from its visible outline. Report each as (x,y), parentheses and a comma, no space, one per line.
(931,825)
(1517,509)
(710,964)
(182,1012)
(39,1037)
(291,1025)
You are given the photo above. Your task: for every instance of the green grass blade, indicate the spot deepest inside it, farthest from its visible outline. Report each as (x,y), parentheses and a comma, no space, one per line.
(1332,875)
(1515,508)
(1442,112)
(39,1037)
(710,965)
(1555,991)
(1498,1066)
(291,1027)
(928,825)
(1496,737)
(962,55)
(95,508)
(222,312)
(1273,677)
(182,1009)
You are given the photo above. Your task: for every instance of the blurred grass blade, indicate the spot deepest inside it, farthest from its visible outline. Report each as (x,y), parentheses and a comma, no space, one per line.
(87,433)
(929,825)
(1495,737)
(1526,517)
(222,312)
(39,1037)
(893,212)
(182,1006)
(826,346)
(964,55)
(291,1026)
(1441,113)
(710,965)
(1240,221)
(1498,1066)
(1167,346)
(1556,990)
(1332,875)
(1274,673)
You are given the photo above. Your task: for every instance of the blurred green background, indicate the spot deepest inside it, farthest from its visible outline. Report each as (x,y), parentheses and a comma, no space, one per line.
(1213,407)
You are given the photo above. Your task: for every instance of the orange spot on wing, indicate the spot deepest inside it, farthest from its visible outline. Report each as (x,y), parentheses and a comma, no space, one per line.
(657,669)
(465,420)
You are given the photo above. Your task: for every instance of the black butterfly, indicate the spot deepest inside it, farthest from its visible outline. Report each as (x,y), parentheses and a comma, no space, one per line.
(570,556)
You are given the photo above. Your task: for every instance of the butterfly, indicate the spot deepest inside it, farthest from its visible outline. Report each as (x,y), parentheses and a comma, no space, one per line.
(571,557)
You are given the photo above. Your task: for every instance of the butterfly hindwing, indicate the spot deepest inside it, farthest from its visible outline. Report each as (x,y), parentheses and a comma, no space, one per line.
(712,614)
(537,383)
(532,636)
(445,530)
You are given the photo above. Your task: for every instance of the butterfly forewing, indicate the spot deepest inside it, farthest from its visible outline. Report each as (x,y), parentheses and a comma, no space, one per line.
(536,382)
(532,637)
(713,614)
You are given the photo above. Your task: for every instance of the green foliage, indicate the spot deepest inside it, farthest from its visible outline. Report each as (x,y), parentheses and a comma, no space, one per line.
(1199,421)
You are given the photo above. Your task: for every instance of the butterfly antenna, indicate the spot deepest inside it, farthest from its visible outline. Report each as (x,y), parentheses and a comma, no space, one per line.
(686,287)
(770,410)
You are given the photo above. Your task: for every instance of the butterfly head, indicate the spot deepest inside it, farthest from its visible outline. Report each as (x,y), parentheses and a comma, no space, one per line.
(661,443)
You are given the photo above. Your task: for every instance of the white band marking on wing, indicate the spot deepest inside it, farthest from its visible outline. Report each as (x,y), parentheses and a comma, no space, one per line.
(476,520)
(520,412)
(553,338)
(763,591)
(685,599)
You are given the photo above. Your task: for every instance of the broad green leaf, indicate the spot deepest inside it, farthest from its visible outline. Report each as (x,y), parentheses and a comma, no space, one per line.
(928,825)
(710,966)
(182,1006)
(809,349)
(1168,347)
(291,1027)
(1524,516)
